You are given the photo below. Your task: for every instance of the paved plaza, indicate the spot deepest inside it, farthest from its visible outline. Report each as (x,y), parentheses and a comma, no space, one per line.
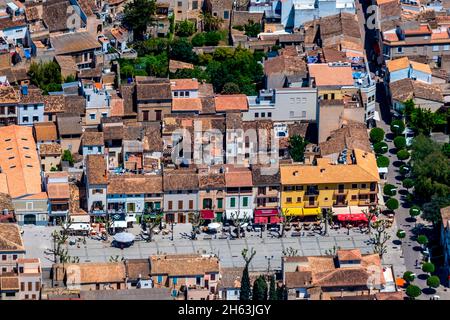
(38,242)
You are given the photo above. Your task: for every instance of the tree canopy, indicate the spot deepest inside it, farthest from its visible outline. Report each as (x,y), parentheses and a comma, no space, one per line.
(380,147)
(260,289)
(47,76)
(392,204)
(397,127)
(184,28)
(413,291)
(403,155)
(433,282)
(138,16)
(389,190)
(297,145)
(409,276)
(382,162)
(428,267)
(376,135)
(400,142)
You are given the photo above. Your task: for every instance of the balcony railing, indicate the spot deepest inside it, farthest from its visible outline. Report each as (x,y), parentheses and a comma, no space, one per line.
(340,204)
(340,191)
(366,202)
(314,204)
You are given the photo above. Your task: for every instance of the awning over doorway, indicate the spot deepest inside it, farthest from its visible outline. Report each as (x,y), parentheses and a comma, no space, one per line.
(207,214)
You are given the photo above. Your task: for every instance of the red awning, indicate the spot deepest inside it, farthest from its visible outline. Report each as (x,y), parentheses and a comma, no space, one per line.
(261,220)
(207,214)
(352,217)
(266,212)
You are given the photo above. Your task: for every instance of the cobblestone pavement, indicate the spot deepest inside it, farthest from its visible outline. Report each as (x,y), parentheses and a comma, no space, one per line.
(38,241)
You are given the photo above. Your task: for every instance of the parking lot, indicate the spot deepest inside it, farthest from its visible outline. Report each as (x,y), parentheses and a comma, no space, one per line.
(268,249)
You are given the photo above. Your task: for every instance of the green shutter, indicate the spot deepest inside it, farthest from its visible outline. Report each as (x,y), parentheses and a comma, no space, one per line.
(219,203)
(245,201)
(233,202)
(205,203)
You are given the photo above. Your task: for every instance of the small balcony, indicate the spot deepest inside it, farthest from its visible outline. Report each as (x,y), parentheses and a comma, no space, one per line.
(314,204)
(340,204)
(366,202)
(341,192)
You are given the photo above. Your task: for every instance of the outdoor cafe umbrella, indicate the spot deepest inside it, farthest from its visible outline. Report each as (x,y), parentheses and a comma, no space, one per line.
(214,225)
(124,237)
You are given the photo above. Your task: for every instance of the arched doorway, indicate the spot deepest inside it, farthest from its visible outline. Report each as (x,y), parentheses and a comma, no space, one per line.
(29,219)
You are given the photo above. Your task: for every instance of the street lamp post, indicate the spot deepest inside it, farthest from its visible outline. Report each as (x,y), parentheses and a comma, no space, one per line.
(268,258)
(171,237)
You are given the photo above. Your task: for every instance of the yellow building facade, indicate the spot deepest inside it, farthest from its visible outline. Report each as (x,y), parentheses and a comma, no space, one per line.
(307,189)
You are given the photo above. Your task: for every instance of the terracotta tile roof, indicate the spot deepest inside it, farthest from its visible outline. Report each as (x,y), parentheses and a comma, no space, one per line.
(5,199)
(397,64)
(134,184)
(238,177)
(96,169)
(152,139)
(5,61)
(286,65)
(187,104)
(9,95)
(87,6)
(261,179)
(80,273)
(180,179)
(211,180)
(45,131)
(69,124)
(184,84)
(298,279)
(74,42)
(350,136)
(58,191)
(54,103)
(326,75)
(365,170)
(10,238)
(153,89)
(127,92)
(34,96)
(138,269)
(205,90)
(423,67)
(92,138)
(397,295)
(55,14)
(75,104)
(183,265)
(50,149)
(174,65)
(33,11)
(117,106)
(7,23)
(346,255)
(19,160)
(405,89)
(233,102)
(230,277)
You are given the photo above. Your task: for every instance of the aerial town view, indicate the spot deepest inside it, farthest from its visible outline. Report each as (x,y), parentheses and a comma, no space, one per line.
(228,150)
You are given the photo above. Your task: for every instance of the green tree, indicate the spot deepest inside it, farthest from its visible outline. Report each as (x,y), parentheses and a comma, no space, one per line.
(413,291)
(210,22)
(382,162)
(433,282)
(282,293)
(297,145)
(181,49)
(198,40)
(397,127)
(401,234)
(47,76)
(403,155)
(272,289)
(400,142)
(409,276)
(380,147)
(70,78)
(446,149)
(67,156)
(422,121)
(376,135)
(389,190)
(404,169)
(260,289)
(138,16)
(230,88)
(392,204)
(428,267)
(414,211)
(212,38)
(431,210)
(422,240)
(252,29)
(408,183)
(245,291)
(184,28)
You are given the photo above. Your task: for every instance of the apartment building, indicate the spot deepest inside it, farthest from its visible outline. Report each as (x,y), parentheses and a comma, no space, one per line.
(57,185)
(416,39)
(211,193)
(351,182)
(96,180)
(266,194)
(30,278)
(239,202)
(9,99)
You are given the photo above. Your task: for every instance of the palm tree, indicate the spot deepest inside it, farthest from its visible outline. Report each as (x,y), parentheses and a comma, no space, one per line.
(210,22)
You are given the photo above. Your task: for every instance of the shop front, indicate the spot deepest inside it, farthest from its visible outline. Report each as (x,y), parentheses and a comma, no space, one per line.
(265,216)
(302,213)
